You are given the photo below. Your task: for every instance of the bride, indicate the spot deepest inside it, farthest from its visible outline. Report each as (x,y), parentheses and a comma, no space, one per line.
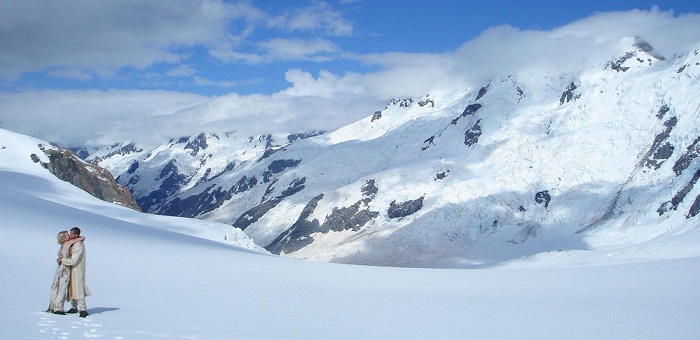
(62,276)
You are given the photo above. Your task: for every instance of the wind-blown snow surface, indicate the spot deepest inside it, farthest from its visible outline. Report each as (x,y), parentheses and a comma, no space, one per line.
(151,278)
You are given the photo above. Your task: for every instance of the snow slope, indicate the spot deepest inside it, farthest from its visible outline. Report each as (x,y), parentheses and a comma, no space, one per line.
(162,277)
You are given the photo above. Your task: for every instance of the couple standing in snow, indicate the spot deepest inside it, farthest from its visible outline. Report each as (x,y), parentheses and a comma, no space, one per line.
(69,281)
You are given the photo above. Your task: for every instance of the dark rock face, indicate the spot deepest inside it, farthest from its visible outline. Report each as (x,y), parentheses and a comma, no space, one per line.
(568,94)
(662,111)
(692,152)
(244,184)
(299,136)
(680,195)
(401,102)
(124,150)
(543,197)
(468,111)
(369,189)
(376,116)
(271,147)
(206,201)
(482,92)
(426,101)
(299,235)
(441,175)
(660,156)
(661,150)
(640,45)
(354,217)
(269,152)
(278,166)
(195,205)
(428,142)
(695,208)
(172,181)
(81,152)
(471,136)
(198,143)
(253,214)
(398,210)
(617,63)
(98,182)
(133,167)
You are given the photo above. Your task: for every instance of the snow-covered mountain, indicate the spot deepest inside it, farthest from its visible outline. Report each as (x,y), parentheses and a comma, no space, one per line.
(527,163)
(157,276)
(23,170)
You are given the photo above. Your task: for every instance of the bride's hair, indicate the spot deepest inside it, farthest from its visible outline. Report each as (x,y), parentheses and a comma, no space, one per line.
(60,238)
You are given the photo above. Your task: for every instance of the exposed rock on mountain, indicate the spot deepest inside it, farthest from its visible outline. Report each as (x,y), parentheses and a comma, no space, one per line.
(638,53)
(403,209)
(608,150)
(95,180)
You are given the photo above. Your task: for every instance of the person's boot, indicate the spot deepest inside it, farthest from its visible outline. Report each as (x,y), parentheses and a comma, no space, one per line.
(72,311)
(83,314)
(59,312)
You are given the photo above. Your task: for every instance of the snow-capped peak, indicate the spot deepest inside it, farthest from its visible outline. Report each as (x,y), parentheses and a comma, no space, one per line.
(634,53)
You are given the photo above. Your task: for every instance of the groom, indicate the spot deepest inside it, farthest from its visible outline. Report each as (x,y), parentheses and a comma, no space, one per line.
(77,290)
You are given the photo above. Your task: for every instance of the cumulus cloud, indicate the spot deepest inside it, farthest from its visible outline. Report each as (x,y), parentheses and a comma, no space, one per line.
(317,17)
(81,39)
(91,117)
(506,50)
(104,36)
(325,100)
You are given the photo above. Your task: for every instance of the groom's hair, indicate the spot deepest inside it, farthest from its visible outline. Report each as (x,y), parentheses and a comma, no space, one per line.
(75,231)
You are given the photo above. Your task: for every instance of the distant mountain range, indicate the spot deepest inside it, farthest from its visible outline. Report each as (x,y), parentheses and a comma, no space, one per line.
(529,162)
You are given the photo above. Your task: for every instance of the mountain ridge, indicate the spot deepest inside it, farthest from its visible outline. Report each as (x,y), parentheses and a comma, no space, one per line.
(533,156)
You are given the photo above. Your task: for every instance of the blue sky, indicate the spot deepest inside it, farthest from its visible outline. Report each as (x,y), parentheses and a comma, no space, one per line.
(128,61)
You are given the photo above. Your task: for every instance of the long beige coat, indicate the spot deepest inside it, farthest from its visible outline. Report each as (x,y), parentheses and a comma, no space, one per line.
(78,289)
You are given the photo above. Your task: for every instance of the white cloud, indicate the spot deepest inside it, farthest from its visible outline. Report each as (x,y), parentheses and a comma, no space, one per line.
(181,71)
(80,117)
(207,82)
(106,36)
(298,49)
(319,17)
(329,100)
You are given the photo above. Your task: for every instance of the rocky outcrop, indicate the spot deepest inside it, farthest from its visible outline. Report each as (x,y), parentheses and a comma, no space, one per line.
(198,143)
(471,136)
(98,182)
(171,180)
(641,52)
(304,135)
(403,209)
(661,150)
(427,100)
(468,111)
(277,166)
(543,197)
(255,213)
(679,196)
(126,149)
(692,152)
(568,94)
(300,234)
(482,92)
